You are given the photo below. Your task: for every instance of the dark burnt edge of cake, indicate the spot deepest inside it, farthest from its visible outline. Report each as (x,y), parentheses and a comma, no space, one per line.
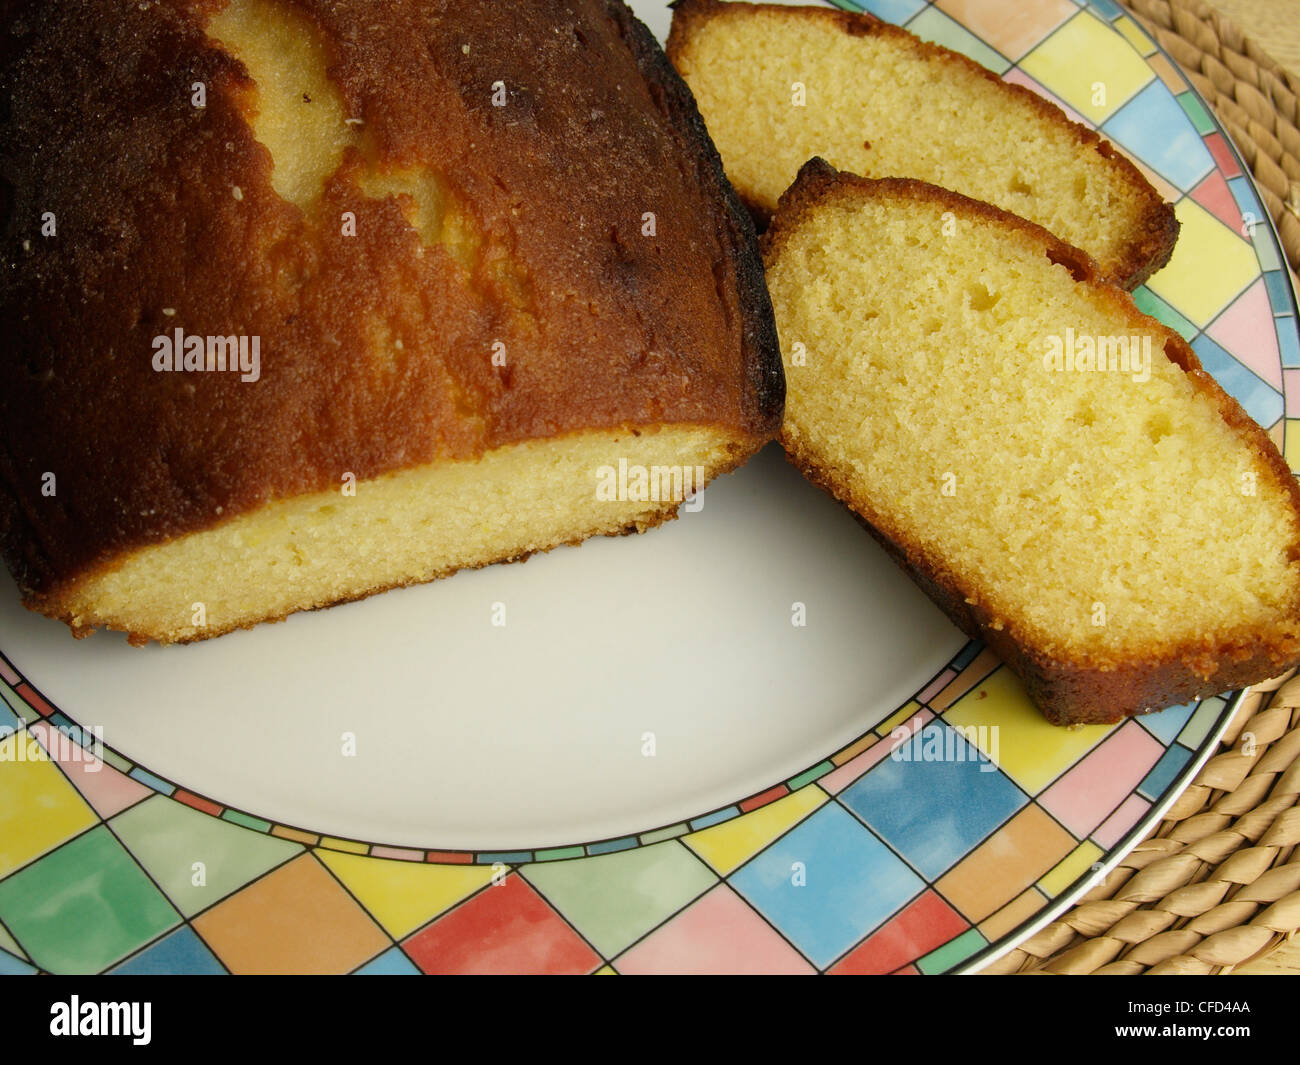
(39,565)
(18,534)
(764,399)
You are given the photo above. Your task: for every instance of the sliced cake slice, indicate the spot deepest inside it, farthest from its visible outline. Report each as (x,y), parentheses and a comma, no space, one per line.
(1054,468)
(778,85)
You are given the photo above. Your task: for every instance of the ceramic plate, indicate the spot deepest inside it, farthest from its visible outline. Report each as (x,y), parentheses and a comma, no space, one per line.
(743,742)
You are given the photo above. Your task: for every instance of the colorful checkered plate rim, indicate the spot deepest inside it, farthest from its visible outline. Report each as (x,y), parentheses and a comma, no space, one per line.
(862,863)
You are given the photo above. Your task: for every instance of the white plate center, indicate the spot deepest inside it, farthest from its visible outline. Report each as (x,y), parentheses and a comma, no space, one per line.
(636,682)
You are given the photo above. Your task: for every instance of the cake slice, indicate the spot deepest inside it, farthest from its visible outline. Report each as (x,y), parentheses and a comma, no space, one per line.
(1052,467)
(307,299)
(778,85)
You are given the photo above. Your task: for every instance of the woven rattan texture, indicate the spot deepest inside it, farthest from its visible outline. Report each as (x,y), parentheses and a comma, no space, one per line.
(1253,96)
(1218,883)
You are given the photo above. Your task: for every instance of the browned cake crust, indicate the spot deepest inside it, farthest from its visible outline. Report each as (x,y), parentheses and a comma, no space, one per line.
(1090,690)
(166,217)
(1150,245)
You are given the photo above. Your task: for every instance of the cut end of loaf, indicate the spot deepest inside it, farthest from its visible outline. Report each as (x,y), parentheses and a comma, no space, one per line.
(400,529)
(1121,533)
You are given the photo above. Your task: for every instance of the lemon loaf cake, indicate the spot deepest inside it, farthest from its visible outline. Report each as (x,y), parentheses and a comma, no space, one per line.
(1053,467)
(778,85)
(307,299)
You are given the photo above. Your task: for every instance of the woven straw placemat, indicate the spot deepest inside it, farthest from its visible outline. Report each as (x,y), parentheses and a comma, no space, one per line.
(1216,886)
(1218,882)
(1251,93)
